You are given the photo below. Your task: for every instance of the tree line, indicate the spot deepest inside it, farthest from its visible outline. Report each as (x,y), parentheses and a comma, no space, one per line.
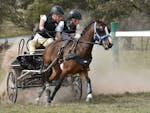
(25,13)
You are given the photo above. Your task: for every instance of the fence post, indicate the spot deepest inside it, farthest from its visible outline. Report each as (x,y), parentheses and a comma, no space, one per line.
(115,48)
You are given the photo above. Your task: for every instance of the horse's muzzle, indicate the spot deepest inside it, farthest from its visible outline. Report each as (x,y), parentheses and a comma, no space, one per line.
(107,45)
(110,45)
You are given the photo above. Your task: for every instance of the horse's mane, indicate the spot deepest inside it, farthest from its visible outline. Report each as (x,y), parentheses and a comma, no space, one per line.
(87,26)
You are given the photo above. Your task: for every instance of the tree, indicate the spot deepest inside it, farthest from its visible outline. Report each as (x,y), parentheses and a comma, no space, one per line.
(13,10)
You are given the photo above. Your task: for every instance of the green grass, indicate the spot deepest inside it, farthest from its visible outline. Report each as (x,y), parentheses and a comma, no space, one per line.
(125,103)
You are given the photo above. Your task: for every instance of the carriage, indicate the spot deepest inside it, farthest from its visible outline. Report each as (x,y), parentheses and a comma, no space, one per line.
(26,72)
(27,69)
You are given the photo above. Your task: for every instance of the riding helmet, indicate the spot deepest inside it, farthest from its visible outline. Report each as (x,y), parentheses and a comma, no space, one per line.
(57,10)
(75,14)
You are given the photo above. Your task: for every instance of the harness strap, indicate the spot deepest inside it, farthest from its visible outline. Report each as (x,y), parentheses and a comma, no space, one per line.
(83,61)
(75,45)
(61,50)
(96,35)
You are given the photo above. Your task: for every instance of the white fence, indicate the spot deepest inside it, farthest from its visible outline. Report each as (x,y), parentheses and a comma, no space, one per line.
(132,33)
(128,34)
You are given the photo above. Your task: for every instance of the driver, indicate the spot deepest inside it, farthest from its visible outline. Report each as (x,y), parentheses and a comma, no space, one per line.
(50,26)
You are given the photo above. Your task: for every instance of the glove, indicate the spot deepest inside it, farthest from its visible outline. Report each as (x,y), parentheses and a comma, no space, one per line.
(77,36)
(43,31)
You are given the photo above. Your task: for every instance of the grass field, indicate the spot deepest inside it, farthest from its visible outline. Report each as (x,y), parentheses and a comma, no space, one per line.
(125,103)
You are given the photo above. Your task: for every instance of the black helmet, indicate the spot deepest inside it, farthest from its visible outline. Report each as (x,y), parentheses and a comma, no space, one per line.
(75,14)
(57,9)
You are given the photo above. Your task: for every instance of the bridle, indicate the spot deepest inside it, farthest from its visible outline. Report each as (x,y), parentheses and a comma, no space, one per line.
(96,35)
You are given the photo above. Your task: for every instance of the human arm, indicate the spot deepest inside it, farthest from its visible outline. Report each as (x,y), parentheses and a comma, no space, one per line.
(59,30)
(78,31)
(43,19)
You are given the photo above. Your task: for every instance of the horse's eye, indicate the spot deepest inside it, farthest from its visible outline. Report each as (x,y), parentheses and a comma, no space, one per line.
(100,28)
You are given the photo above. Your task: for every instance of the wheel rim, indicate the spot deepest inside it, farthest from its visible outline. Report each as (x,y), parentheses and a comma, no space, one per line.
(12,87)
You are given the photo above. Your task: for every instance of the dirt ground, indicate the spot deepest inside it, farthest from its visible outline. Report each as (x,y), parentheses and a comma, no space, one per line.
(105,78)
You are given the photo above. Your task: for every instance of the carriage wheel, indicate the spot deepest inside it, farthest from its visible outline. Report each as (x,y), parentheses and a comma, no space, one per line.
(77,88)
(12,86)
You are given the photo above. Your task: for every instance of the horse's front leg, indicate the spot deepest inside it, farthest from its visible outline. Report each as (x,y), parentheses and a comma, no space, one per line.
(40,95)
(85,76)
(46,85)
(57,87)
(89,90)
(55,74)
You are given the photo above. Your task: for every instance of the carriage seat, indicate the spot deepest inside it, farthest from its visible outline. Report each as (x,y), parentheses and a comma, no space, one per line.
(27,61)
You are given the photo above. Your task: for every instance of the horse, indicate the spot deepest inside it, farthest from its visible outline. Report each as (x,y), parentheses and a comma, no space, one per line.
(76,57)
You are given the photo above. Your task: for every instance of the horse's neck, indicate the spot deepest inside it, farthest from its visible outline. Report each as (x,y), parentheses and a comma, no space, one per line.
(88,34)
(86,38)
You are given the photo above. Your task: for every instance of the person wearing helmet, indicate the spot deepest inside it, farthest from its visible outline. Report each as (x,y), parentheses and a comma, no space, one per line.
(50,26)
(72,22)
(71,28)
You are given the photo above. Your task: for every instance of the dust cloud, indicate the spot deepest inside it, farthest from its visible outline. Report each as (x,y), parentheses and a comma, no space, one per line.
(107,79)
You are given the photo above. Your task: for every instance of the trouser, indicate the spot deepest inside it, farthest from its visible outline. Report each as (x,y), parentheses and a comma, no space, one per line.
(37,41)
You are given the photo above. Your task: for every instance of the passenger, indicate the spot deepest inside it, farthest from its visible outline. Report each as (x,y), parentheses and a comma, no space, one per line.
(50,26)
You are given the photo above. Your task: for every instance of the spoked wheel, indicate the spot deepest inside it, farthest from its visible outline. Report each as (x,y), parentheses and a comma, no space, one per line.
(77,88)
(12,89)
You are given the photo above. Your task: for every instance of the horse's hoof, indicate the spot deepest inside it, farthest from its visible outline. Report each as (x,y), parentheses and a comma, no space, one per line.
(89,98)
(37,101)
(48,103)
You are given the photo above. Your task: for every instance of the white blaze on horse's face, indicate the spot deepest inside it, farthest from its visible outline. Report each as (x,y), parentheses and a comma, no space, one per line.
(101,35)
(107,42)
(107,32)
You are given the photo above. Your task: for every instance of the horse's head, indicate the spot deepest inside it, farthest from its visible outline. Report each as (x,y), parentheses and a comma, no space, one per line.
(102,34)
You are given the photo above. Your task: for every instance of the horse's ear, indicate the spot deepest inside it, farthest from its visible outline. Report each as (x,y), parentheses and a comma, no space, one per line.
(99,20)
(104,19)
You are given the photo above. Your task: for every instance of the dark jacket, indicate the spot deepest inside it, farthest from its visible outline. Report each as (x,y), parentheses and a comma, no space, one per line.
(67,28)
(50,26)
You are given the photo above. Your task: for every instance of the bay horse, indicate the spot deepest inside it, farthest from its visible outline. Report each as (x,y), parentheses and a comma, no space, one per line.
(76,57)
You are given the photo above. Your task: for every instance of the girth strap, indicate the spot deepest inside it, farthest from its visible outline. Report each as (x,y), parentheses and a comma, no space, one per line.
(76,57)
